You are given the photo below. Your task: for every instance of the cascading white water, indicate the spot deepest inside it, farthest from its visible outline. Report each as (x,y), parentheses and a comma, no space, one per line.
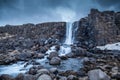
(69,38)
(66,47)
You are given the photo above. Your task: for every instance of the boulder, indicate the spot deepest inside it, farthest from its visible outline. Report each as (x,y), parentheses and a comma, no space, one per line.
(70,55)
(53,54)
(19,77)
(25,77)
(98,74)
(40,55)
(43,71)
(32,71)
(64,57)
(54,70)
(116,77)
(83,78)
(6,77)
(115,73)
(72,77)
(43,49)
(55,61)
(29,77)
(14,52)
(68,72)
(57,47)
(63,78)
(78,51)
(25,54)
(6,59)
(44,77)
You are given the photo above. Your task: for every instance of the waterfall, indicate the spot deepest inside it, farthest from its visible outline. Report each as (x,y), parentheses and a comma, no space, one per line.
(66,47)
(69,37)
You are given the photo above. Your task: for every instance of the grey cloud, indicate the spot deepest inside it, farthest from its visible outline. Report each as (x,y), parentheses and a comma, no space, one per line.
(115,4)
(36,11)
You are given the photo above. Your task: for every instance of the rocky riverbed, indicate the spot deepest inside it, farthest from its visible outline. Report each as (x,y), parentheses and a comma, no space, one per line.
(80,64)
(41,61)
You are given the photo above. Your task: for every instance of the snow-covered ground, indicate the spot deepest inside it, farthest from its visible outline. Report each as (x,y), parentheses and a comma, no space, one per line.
(114,46)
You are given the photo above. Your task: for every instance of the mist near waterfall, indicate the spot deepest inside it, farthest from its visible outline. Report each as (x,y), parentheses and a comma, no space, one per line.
(38,11)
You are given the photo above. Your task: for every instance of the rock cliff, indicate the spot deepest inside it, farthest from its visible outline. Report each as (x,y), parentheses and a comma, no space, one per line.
(98,28)
(44,30)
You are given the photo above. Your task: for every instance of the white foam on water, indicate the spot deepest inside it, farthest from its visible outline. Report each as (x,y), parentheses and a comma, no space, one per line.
(14,69)
(52,49)
(64,50)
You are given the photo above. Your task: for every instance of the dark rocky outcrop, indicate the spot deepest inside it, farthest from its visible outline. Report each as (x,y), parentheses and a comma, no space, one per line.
(43,30)
(98,28)
(6,77)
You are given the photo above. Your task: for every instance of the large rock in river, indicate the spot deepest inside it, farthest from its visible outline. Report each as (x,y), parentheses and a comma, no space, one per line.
(55,61)
(97,74)
(44,77)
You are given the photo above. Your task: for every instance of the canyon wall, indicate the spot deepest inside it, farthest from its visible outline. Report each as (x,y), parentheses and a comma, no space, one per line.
(54,30)
(98,28)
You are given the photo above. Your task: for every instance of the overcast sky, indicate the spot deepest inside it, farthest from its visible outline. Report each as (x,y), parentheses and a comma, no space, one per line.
(38,11)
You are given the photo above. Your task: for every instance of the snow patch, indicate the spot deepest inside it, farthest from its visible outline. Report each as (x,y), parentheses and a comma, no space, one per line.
(114,46)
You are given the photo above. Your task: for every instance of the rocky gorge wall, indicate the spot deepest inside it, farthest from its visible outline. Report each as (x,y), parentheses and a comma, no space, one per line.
(98,28)
(43,30)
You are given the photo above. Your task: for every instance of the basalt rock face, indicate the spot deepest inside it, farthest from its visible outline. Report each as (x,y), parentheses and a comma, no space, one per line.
(99,28)
(45,30)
